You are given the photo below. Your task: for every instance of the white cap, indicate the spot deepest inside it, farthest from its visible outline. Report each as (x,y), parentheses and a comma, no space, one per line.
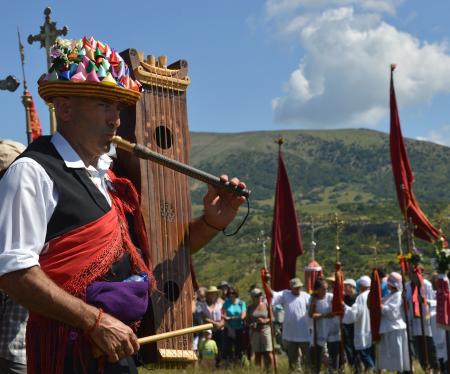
(350,282)
(365,281)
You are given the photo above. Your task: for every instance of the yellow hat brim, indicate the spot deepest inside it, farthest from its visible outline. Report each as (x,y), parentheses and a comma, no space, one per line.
(48,90)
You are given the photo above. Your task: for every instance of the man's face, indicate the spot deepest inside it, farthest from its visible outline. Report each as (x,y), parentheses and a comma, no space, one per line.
(296,290)
(96,122)
(349,290)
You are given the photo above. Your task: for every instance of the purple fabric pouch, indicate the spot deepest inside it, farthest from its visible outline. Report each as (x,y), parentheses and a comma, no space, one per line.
(126,300)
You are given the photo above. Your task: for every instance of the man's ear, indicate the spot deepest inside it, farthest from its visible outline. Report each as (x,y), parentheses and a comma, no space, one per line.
(64,108)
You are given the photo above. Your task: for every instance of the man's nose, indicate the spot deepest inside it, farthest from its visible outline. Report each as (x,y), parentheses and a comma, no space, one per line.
(114,117)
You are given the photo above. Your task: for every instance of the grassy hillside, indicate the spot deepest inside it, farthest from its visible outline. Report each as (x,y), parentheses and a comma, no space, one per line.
(331,171)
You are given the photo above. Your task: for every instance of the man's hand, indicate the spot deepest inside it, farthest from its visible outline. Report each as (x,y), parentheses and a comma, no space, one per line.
(220,205)
(115,339)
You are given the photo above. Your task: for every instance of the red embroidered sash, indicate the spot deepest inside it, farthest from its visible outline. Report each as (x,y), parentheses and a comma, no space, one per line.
(73,261)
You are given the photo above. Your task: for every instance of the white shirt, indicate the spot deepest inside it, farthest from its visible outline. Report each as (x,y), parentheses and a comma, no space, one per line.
(296,319)
(392,316)
(359,314)
(426,310)
(28,199)
(327,329)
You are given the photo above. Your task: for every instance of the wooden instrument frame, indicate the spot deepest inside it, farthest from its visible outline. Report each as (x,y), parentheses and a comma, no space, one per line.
(159,121)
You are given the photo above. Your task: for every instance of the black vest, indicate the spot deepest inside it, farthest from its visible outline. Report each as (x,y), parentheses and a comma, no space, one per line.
(79,200)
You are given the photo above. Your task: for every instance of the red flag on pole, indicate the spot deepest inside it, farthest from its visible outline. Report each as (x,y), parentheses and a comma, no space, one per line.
(286,239)
(404,178)
(337,306)
(35,123)
(374,304)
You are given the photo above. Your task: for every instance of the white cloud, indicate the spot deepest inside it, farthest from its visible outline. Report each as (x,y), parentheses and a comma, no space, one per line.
(439,136)
(277,8)
(343,77)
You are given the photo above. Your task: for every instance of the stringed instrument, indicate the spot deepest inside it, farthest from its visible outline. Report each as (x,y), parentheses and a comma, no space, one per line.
(159,122)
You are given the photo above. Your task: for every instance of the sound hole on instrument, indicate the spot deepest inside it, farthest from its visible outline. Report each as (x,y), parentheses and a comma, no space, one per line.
(171,290)
(163,137)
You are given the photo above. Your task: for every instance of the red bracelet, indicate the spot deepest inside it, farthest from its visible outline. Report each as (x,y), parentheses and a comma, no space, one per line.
(91,329)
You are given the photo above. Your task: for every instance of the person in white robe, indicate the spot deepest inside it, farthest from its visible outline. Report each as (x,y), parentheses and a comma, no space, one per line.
(416,327)
(326,327)
(394,352)
(438,332)
(359,314)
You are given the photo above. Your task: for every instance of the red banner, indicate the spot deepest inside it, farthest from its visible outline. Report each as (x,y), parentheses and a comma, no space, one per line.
(404,178)
(286,239)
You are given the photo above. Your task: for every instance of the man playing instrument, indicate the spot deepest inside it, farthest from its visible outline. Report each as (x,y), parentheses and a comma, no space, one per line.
(65,244)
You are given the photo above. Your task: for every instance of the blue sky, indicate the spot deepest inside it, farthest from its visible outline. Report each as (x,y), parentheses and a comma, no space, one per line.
(264,65)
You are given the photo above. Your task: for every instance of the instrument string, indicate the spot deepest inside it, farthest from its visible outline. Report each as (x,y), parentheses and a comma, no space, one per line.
(181,223)
(169,177)
(165,208)
(182,115)
(157,201)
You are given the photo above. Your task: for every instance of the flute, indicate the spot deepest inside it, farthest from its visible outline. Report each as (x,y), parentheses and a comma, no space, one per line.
(142,151)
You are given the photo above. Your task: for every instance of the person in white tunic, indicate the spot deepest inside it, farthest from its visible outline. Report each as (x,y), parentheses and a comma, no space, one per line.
(296,333)
(416,327)
(438,332)
(326,326)
(359,314)
(394,352)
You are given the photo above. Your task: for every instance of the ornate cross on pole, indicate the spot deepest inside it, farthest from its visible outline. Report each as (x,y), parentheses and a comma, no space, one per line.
(47,38)
(313,242)
(263,239)
(375,245)
(338,225)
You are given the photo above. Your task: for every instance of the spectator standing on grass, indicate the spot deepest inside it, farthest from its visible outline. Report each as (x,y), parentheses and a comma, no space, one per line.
(258,321)
(208,351)
(212,313)
(234,311)
(197,307)
(224,289)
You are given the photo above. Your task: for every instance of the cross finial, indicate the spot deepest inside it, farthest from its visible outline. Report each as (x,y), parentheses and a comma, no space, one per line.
(48,34)
(338,225)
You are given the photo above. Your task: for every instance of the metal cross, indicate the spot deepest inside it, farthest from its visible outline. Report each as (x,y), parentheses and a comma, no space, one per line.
(47,38)
(48,34)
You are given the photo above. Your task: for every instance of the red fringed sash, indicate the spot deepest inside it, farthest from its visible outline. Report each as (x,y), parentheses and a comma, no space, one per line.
(75,260)
(337,306)
(374,304)
(415,294)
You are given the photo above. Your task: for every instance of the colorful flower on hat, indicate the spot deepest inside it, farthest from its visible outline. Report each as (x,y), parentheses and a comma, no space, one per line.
(88,59)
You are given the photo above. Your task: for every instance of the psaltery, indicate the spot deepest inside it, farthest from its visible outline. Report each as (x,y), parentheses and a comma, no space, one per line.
(159,122)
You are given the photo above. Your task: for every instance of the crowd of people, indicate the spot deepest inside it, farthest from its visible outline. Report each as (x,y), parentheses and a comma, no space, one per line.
(312,336)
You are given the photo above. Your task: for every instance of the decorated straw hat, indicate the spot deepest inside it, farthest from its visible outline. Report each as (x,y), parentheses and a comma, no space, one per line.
(88,68)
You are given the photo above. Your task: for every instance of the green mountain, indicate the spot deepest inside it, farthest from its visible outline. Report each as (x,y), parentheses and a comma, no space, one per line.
(346,172)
